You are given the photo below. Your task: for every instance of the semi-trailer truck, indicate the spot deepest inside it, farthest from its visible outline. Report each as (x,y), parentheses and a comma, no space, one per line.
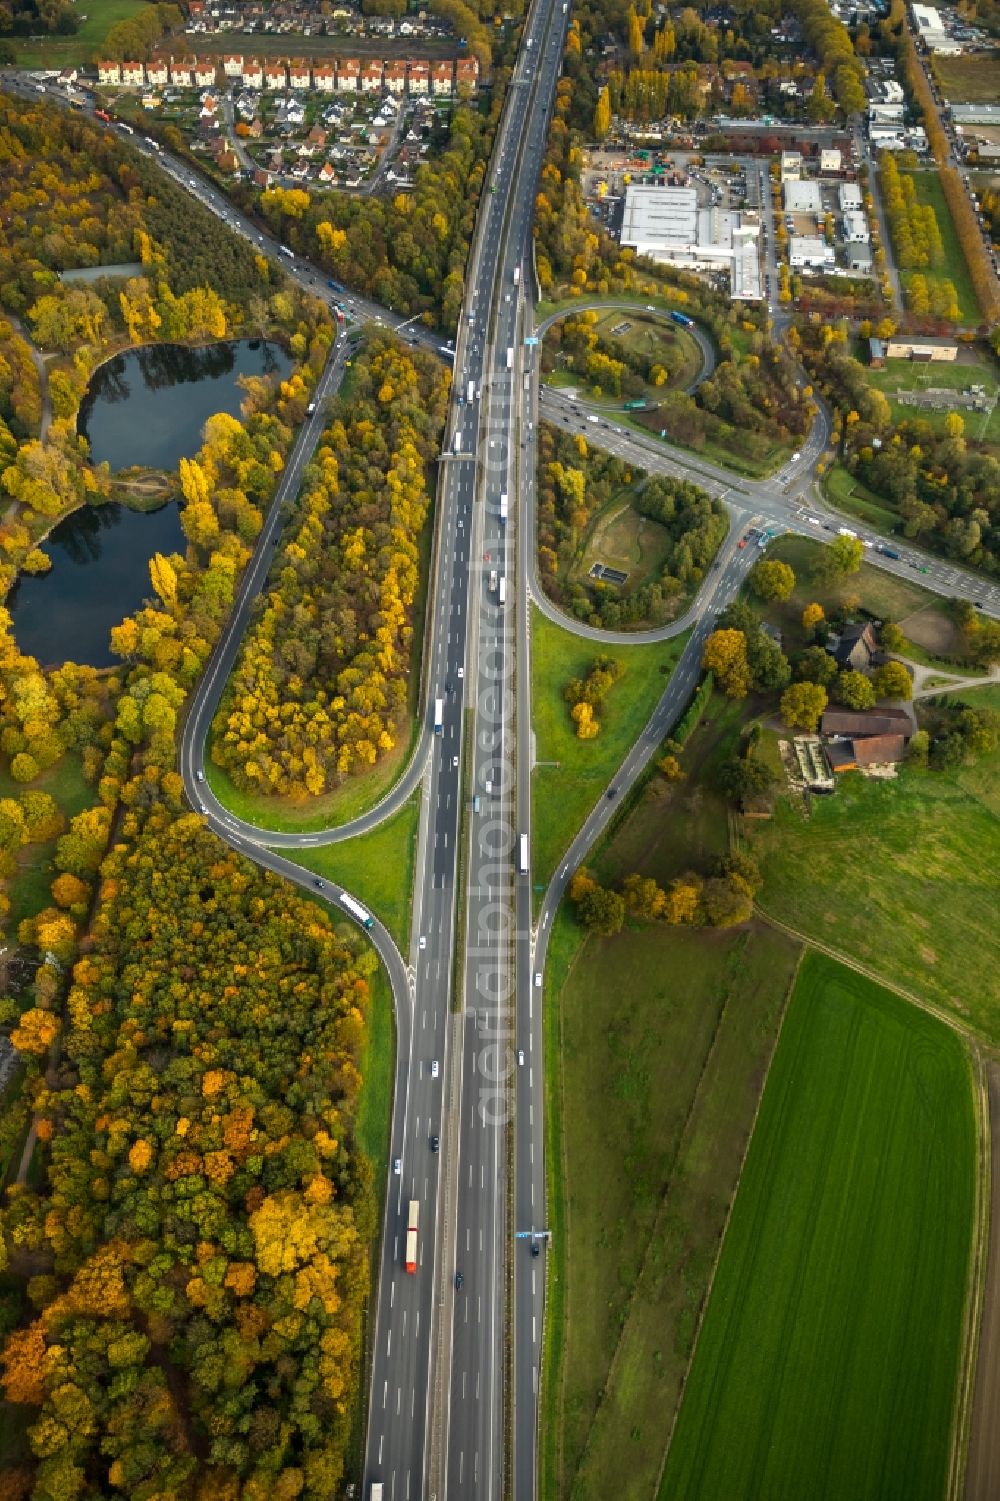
(502,590)
(494,576)
(510,359)
(887,552)
(682,319)
(456,443)
(470,393)
(503,508)
(439,716)
(517,275)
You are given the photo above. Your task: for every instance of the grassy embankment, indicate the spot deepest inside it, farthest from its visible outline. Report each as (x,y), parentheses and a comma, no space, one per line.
(829,1354)
(931,634)
(954,267)
(64,51)
(377,868)
(900,876)
(29,891)
(572,773)
(656,1045)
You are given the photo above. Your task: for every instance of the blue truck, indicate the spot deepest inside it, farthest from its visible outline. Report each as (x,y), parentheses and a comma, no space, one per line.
(682,319)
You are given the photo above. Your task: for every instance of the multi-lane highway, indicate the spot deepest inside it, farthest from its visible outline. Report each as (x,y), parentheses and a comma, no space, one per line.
(456,1344)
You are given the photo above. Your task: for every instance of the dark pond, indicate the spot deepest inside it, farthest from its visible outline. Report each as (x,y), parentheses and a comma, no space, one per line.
(100,573)
(147,407)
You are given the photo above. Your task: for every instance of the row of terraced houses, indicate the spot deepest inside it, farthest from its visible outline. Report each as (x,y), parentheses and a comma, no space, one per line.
(347,75)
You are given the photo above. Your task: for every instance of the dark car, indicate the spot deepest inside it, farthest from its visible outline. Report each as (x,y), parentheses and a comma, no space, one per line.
(435,1143)
(459,1280)
(612,792)
(536,1249)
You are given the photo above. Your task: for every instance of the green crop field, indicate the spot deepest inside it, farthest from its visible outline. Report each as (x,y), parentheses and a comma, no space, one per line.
(572,774)
(827,1363)
(651,1106)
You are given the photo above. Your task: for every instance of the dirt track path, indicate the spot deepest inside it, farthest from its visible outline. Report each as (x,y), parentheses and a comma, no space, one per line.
(982,1476)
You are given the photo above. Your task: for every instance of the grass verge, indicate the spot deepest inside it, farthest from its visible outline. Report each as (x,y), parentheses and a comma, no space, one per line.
(827,1362)
(563,793)
(900,876)
(30,888)
(955,268)
(659,1097)
(377,868)
(63,51)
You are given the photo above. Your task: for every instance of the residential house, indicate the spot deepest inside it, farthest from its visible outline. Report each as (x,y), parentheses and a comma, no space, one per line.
(299,75)
(348,75)
(317,137)
(371,77)
(181,73)
(157,72)
(856,647)
(133,74)
(394,76)
(418,77)
(204,73)
(262,178)
(229,162)
(327,174)
(109,72)
(467,73)
(275,77)
(442,79)
(859,723)
(863,753)
(232,65)
(324,79)
(253,73)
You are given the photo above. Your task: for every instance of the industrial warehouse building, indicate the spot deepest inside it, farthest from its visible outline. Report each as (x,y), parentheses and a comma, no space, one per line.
(667,225)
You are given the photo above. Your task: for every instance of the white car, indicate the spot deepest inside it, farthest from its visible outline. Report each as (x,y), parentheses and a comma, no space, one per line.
(397,1166)
(520,1057)
(454,761)
(538,978)
(200,775)
(434,1069)
(423,940)
(461,673)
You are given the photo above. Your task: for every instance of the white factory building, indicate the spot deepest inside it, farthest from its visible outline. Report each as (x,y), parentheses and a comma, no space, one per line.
(810,253)
(855,227)
(849,196)
(668,225)
(931,30)
(802,197)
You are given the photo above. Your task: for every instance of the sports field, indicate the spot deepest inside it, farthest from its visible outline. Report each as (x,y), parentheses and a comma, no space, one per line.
(827,1363)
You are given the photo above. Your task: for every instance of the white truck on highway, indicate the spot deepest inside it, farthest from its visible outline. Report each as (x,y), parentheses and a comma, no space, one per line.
(517,275)
(456,443)
(503,508)
(494,578)
(502,590)
(470,395)
(510,359)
